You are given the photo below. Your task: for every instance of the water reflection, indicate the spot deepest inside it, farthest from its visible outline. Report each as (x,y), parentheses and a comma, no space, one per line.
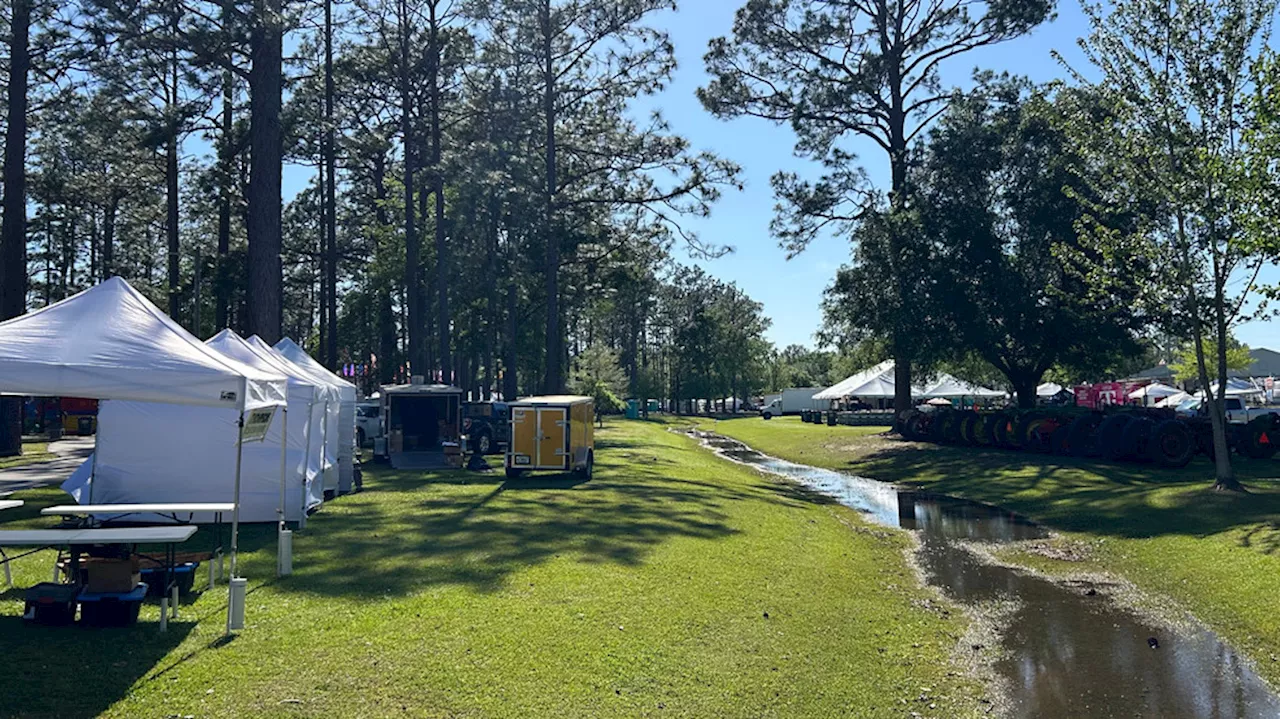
(1069,654)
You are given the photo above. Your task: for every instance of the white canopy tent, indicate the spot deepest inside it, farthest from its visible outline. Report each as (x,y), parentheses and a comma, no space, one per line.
(346,410)
(1173,400)
(1048,389)
(878,383)
(1154,391)
(142,445)
(111,343)
(330,433)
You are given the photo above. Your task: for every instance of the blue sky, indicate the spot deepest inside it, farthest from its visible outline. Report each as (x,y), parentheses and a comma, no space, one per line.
(792,290)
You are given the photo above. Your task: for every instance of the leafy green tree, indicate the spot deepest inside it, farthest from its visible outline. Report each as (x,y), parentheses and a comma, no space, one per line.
(1186,366)
(841,70)
(999,203)
(1180,132)
(598,374)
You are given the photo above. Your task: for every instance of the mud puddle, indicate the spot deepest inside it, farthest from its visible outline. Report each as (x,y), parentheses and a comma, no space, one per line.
(1065,652)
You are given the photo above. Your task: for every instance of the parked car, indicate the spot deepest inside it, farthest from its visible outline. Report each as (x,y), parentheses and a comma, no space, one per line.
(486,426)
(1238,410)
(368,422)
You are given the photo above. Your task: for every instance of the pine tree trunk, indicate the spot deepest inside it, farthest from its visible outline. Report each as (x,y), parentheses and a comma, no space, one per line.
(13,226)
(226,172)
(265,156)
(171,225)
(330,199)
(412,242)
(510,386)
(443,318)
(553,379)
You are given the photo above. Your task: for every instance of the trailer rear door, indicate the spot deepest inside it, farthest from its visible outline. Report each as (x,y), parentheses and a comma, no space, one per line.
(551,437)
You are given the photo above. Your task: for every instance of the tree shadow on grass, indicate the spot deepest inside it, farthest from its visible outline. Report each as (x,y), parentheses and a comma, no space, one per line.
(1130,500)
(77,671)
(409,533)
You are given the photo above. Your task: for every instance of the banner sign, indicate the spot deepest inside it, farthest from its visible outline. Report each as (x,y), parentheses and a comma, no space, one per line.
(256,424)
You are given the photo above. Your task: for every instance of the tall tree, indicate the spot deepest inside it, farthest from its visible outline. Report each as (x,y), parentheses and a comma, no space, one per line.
(266,153)
(1179,132)
(13,226)
(836,70)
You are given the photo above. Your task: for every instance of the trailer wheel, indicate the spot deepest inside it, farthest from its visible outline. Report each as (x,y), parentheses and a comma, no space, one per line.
(1135,439)
(1259,438)
(1171,444)
(1108,438)
(586,470)
(1083,435)
(767,415)
(513,473)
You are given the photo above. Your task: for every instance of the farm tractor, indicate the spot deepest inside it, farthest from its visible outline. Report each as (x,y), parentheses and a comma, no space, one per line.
(1128,434)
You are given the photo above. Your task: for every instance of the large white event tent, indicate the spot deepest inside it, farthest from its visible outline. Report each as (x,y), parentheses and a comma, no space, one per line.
(346,410)
(878,383)
(111,343)
(1048,389)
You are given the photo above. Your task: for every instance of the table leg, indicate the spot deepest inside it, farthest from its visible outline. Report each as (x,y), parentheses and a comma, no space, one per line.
(8,575)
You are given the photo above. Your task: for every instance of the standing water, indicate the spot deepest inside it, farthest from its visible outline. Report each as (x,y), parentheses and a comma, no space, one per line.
(1067,654)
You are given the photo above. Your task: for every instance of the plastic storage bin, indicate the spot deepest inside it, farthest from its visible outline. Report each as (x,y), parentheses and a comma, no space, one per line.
(112,609)
(49,603)
(183,574)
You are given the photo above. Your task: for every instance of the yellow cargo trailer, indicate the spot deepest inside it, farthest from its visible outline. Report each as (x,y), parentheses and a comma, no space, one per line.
(554,433)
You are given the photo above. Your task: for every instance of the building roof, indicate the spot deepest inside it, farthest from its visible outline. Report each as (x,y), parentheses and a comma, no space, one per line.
(1266,363)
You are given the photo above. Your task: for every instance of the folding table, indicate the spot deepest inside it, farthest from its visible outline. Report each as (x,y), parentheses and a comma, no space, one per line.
(102,515)
(10,503)
(76,539)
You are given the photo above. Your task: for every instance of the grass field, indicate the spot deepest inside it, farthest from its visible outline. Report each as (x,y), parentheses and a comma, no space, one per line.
(1216,553)
(32,452)
(673,584)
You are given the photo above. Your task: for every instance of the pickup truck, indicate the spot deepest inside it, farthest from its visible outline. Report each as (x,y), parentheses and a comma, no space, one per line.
(486,426)
(1238,411)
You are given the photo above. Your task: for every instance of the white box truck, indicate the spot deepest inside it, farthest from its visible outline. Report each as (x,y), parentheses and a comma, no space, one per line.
(792,401)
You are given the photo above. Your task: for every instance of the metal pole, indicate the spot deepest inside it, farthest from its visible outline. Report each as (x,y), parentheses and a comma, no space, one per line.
(235,510)
(284,444)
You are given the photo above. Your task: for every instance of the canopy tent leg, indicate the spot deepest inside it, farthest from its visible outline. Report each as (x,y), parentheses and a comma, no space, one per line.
(282,530)
(235,511)
(306,470)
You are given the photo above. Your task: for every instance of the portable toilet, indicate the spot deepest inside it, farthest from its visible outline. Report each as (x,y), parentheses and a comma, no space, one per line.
(633,409)
(554,433)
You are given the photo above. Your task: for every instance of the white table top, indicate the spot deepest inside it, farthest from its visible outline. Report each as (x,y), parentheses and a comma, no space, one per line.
(10,503)
(87,509)
(121,535)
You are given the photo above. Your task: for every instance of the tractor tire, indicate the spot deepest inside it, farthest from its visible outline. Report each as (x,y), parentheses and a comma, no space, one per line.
(916,427)
(1172,444)
(938,425)
(1136,437)
(987,431)
(1108,438)
(1020,437)
(952,429)
(1259,439)
(1061,441)
(1039,435)
(1003,431)
(1083,435)
(970,428)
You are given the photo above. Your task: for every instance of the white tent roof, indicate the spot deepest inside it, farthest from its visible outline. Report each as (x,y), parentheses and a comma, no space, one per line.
(110,342)
(878,382)
(1155,390)
(1173,400)
(1048,389)
(299,356)
(874,382)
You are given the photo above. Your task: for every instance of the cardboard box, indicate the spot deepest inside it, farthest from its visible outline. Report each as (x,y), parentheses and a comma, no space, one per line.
(112,575)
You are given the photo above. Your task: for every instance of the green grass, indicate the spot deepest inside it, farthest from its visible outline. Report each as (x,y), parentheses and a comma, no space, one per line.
(641,593)
(32,452)
(1216,553)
